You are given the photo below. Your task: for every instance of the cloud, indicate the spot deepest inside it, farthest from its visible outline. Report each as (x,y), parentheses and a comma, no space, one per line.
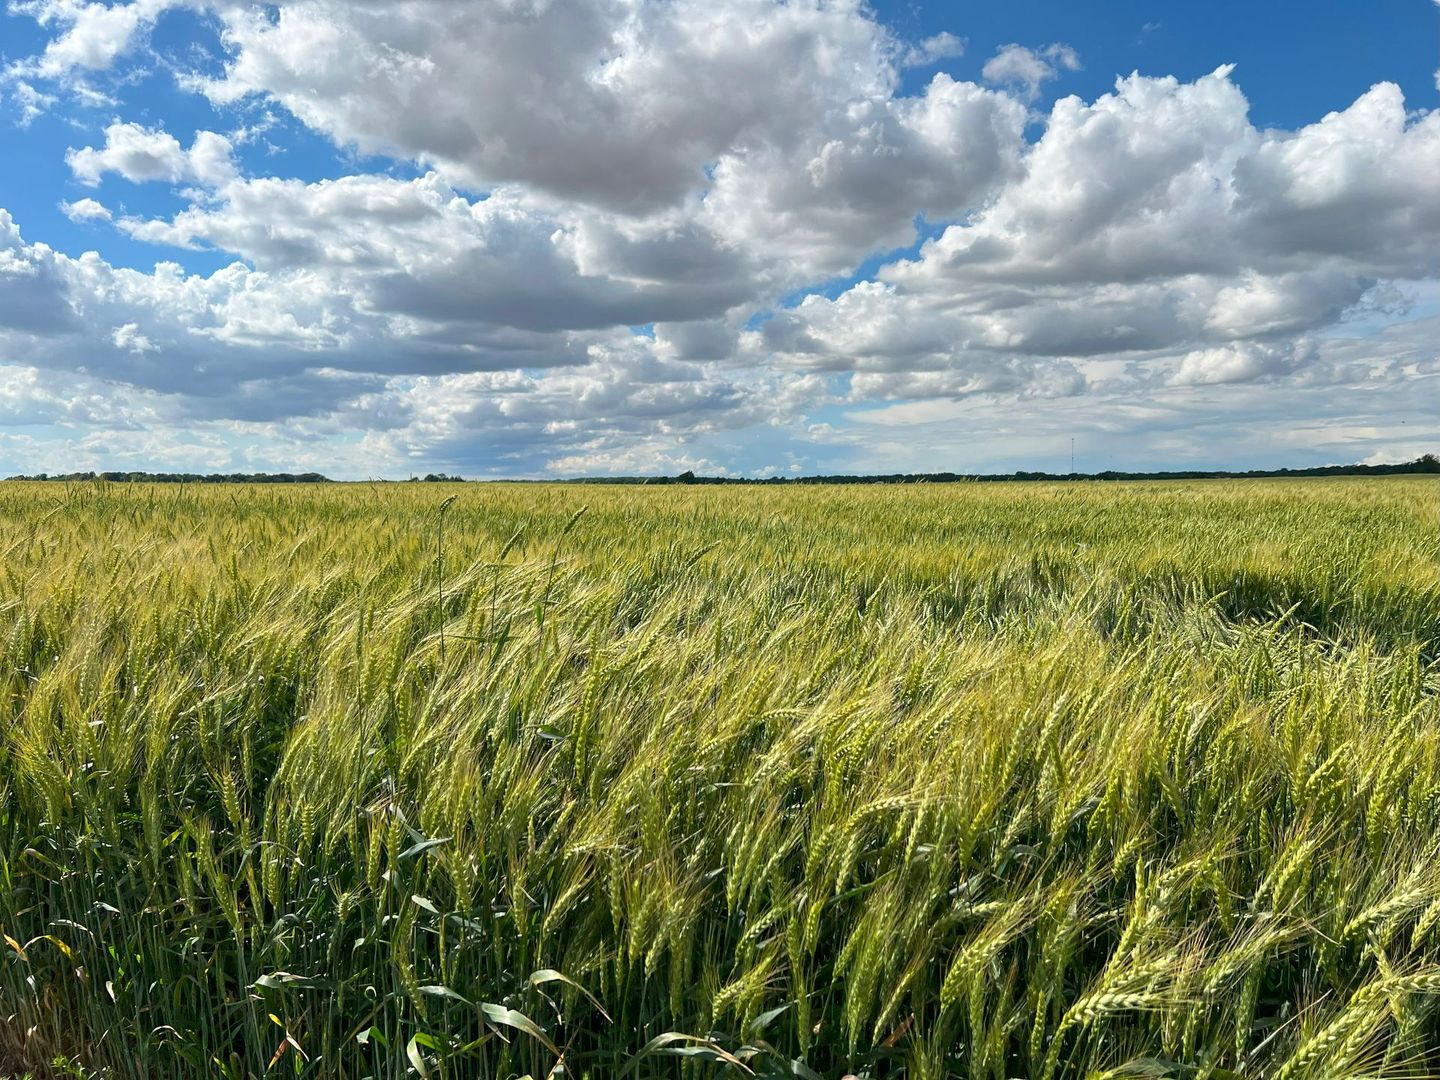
(620,236)
(616,105)
(91,37)
(83,210)
(142,154)
(1064,56)
(31,103)
(613,414)
(1026,70)
(1154,226)
(826,201)
(1238,362)
(282,357)
(129,338)
(419,250)
(1248,425)
(761,134)
(941,46)
(33,294)
(1166,185)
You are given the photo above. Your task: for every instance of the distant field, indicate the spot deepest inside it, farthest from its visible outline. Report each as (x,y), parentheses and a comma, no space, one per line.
(1003,780)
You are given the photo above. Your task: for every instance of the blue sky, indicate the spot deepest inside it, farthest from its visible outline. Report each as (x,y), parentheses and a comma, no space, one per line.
(740,236)
(1295,62)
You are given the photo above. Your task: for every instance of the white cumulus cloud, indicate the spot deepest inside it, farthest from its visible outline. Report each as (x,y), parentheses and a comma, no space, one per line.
(141,154)
(82,210)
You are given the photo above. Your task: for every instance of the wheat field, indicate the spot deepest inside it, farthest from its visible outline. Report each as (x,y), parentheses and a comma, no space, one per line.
(970,780)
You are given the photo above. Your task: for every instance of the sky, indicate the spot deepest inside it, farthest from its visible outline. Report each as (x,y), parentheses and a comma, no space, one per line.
(548,238)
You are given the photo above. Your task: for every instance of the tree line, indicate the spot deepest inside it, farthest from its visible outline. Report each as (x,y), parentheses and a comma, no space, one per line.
(1427,463)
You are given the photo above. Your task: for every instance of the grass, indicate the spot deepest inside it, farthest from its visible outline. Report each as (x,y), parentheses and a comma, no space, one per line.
(976,781)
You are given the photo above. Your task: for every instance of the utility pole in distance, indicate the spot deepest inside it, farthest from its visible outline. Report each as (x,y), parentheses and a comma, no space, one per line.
(1072,455)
